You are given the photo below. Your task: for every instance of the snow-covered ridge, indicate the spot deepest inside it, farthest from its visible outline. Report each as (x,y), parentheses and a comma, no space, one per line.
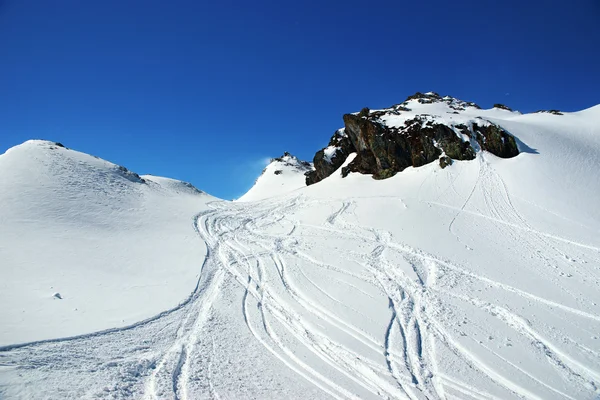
(289,161)
(173,185)
(283,174)
(441,109)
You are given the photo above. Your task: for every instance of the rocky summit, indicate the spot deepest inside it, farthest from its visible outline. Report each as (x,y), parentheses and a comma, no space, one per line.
(290,161)
(424,128)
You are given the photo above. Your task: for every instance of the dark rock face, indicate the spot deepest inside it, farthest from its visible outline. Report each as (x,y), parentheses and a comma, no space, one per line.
(340,147)
(502,107)
(555,112)
(445,161)
(496,140)
(383,151)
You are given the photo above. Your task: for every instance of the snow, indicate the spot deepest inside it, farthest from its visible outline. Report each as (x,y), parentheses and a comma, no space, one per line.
(329,152)
(281,176)
(477,281)
(117,250)
(447,112)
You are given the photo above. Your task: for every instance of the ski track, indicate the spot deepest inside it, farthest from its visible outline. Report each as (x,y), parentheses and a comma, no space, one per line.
(281,309)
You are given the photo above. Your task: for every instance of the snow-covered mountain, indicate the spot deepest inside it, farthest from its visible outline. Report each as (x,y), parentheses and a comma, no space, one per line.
(471,279)
(283,175)
(115,247)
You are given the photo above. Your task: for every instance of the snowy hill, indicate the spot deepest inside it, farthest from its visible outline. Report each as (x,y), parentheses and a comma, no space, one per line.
(474,281)
(283,175)
(116,247)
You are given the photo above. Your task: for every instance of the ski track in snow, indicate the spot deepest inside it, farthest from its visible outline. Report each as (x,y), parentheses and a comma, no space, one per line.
(285,312)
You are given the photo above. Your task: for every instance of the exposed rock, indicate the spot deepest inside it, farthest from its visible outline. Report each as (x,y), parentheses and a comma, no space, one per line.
(130,175)
(432,97)
(278,172)
(424,98)
(445,161)
(329,159)
(502,106)
(496,140)
(293,161)
(56,145)
(384,149)
(555,112)
(364,112)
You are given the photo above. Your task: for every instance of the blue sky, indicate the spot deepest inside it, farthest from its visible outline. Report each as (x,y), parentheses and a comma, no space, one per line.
(206,91)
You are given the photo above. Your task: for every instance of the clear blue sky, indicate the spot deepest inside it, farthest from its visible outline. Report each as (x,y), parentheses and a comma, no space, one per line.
(205,91)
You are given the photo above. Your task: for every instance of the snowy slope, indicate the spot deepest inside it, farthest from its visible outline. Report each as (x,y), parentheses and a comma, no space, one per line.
(283,175)
(477,281)
(116,247)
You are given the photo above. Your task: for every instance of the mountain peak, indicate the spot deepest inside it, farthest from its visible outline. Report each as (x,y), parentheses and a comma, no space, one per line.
(283,174)
(424,128)
(433,97)
(289,160)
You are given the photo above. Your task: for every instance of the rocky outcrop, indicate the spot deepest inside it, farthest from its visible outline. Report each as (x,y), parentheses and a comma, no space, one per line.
(289,160)
(555,112)
(383,149)
(445,161)
(502,107)
(129,175)
(330,158)
(496,140)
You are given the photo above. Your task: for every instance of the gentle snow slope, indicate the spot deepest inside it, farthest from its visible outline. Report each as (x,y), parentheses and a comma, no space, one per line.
(117,249)
(479,282)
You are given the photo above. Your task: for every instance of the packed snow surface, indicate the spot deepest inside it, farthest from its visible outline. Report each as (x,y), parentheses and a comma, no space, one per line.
(478,281)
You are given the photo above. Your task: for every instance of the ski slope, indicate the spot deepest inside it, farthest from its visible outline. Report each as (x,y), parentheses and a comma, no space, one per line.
(477,281)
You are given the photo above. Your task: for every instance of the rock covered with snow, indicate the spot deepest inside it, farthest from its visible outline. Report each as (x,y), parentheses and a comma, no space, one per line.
(554,112)
(330,158)
(290,161)
(422,129)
